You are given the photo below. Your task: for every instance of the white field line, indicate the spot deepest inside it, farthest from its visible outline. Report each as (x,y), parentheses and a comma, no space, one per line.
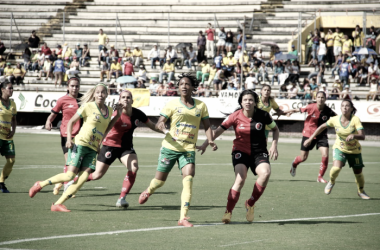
(19,167)
(168,228)
(240,243)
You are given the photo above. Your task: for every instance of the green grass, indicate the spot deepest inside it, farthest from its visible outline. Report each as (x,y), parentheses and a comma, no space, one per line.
(94,208)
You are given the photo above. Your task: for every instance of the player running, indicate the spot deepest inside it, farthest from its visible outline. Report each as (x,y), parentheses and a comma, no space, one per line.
(267,103)
(249,150)
(186,115)
(119,144)
(82,154)
(8,122)
(317,114)
(349,130)
(68,105)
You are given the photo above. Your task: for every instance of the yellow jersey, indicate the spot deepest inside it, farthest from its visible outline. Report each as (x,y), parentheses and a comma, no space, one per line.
(329,38)
(358,41)
(94,125)
(272,105)
(347,46)
(102,39)
(206,68)
(212,73)
(116,66)
(184,124)
(128,54)
(137,53)
(350,147)
(338,37)
(6,115)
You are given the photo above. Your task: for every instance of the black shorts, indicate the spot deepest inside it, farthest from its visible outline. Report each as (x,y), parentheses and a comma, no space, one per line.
(109,154)
(250,161)
(319,141)
(63,145)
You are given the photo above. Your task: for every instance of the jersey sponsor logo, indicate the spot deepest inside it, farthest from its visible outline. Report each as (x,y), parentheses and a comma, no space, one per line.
(259,126)
(241,126)
(265,155)
(5,122)
(137,122)
(185,125)
(124,125)
(97,117)
(165,161)
(237,155)
(179,110)
(197,112)
(95,131)
(70,106)
(108,154)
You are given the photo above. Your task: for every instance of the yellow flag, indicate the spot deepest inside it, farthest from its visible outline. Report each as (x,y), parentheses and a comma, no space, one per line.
(141,97)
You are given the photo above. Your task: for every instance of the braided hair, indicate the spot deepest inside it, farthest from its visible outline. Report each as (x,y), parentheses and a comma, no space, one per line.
(191,77)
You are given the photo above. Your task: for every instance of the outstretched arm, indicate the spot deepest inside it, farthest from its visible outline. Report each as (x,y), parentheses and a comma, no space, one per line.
(49,120)
(152,126)
(316,132)
(216,134)
(160,125)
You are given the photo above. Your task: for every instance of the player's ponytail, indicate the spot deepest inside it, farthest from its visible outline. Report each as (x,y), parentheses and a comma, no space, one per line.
(89,95)
(352,106)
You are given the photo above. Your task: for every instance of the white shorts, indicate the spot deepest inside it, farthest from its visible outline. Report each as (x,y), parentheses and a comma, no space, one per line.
(337,49)
(221,42)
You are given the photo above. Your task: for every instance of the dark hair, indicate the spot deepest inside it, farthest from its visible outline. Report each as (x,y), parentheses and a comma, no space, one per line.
(247,92)
(73,79)
(191,77)
(321,92)
(3,85)
(270,88)
(352,106)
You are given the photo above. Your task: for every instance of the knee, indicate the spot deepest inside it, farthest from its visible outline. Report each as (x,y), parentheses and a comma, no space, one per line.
(11,161)
(265,174)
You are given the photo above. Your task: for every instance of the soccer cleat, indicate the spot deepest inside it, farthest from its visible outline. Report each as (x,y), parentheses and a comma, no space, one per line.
(35,189)
(250,211)
(320,179)
(144,197)
(59,208)
(3,188)
(185,222)
(364,196)
(122,203)
(56,189)
(226,218)
(293,171)
(329,187)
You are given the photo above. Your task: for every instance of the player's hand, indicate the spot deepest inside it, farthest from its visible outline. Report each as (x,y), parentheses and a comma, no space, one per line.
(278,115)
(213,145)
(350,137)
(48,126)
(307,143)
(119,108)
(69,143)
(10,135)
(273,153)
(202,148)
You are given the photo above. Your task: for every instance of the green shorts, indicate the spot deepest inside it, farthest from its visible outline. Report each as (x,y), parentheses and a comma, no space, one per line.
(354,160)
(168,158)
(81,156)
(266,133)
(7,148)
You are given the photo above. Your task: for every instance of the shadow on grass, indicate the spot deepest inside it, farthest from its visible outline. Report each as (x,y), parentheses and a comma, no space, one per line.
(143,207)
(373,199)
(117,194)
(281,223)
(292,180)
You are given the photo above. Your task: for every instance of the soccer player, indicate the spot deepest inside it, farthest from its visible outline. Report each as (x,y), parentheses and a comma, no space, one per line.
(186,115)
(82,153)
(317,113)
(8,122)
(267,103)
(119,144)
(68,105)
(249,150)
(349,130)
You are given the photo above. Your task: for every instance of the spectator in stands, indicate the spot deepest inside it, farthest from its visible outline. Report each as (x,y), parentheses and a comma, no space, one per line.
(263,73)
(153,86)
(373,72)
(346,93)
(17,74)
(314,94)
(218,60)
(53,55)
(201,43)
(231,86)
(59,70)
(167,70)
(112,89)
(270,63)
(154,56)
(338,39)
(238,53)
(73,70)
(241,40)
(46,69)
(244,58)
(309,46)
(362,74)
(207,91)
(221,41)
(347,46)
(313,84)
(34,40)
(200,90)
(230,64)
(338,62)
(181,60)
(27,56)
(59,50)
(78,51)
(259,56)
(2,65)
(344,71)
(329,39)
(229,40)
(40,61)
(292,91)
(113,52)
(171,90)
(35,56)
(163,55)
(293,52)
(283,92)
(308,95)
(103,40)
(358,36)
(104,56)
(321,33)
(67,52)
(204,72)
(2,48)
(219,80)
(171,55)
(324,89)
(192,58)
(213,71)
(128,54)
(45,49)
(335,93)
(301,91)
(251,82)
(316,39)
(322,51)
(370,39)
(141,75)
(294,73)
(210,32)
(373,91)
(128,68)
(161,90)
(105,70)
(8,71)
(115,69)
(85,55)
(278,69)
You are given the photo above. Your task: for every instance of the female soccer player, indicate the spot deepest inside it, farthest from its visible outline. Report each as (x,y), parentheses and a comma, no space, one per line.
(68,105)
(186,115)
(317,114)
(82,154)
(249,150)
(119,144)
(8,122)
(349,130)
(267,103)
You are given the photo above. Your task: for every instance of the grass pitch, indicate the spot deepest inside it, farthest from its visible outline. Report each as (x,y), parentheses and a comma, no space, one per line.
(93,211)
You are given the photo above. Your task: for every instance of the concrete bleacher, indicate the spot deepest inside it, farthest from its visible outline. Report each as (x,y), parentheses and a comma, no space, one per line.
(145,23)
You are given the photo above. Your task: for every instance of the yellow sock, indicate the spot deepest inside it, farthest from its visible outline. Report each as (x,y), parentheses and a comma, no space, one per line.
(155,184)
(187,183)
(359,178)
(63,177)
(7,169)
(73,189)
(334,172)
